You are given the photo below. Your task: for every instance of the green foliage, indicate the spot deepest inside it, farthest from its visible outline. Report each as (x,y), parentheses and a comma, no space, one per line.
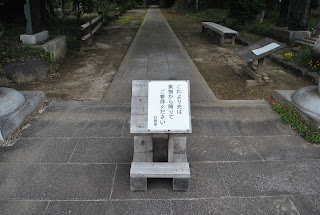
(214,15)
(299,55)
(293,117)
(312,26)
(246,10)
(68,26)
(185,5)
(125,19)
(11,48)
(263,28)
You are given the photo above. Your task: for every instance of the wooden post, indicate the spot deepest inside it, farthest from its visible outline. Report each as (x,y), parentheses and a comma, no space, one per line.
(91,35)
(260,69)
(222,39)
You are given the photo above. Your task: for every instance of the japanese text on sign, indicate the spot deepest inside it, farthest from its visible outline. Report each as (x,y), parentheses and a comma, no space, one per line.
(168,106)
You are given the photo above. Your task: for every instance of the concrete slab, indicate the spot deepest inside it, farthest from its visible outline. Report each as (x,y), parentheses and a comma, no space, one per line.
(38,151)
(57,181)
(23,207)
(9,123)
(307,204)
(285,148)
(109,207)
(234,206)
(103,150)
(263,178)
(220,149)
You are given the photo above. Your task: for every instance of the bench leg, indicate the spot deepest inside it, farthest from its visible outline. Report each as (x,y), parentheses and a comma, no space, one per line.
(222,40)
(138,184)
(181,184)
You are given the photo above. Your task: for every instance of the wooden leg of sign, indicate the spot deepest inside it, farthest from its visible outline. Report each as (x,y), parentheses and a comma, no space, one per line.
(181,184)
(177,154)
(143,152)
(222,39)
(138,184)
(177,149)
(233,40)
(260,69)
(143,149)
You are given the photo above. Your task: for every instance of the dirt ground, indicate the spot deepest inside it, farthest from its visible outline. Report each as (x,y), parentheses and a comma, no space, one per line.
(221,68)
(86,75)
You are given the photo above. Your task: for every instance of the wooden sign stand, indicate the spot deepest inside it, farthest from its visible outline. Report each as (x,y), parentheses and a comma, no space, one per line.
(249,55)
(142,166)
(257,74)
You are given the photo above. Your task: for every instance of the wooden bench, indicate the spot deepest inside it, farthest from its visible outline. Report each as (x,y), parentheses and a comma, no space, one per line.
(227,34)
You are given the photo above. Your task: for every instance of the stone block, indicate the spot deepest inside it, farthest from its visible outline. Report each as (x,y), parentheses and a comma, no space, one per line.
(26,71)
(285,35)
(35,38)
(57,47)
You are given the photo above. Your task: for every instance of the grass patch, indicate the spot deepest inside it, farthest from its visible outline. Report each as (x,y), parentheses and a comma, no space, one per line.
(140,20)
(293,117)
(213,15)
(125,18)
(174,17)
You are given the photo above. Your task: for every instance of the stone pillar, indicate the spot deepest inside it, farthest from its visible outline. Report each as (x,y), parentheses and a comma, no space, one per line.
(34,33)
(32,11)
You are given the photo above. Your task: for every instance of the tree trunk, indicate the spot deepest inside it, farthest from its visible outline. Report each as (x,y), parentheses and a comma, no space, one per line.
(197,4)
(62,7)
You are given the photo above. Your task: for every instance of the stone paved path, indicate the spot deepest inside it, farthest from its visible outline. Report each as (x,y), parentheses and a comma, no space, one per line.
(75,159)
(156,54)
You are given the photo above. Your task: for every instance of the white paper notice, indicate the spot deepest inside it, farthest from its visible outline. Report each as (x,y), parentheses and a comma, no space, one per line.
(168,106)
(265,49)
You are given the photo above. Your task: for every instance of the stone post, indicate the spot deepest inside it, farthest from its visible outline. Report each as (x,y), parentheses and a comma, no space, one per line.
(34,33)
(32,11)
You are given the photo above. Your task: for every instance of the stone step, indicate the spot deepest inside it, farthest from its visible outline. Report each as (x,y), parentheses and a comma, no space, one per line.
(314,38)
(307,40)
(304,44)
(82,111)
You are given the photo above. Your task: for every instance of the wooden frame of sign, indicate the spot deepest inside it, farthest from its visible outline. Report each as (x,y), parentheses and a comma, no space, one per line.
(257,52)
(143,166)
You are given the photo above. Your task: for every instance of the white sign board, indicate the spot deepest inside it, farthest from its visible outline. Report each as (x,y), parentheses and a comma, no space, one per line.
(265,49)
(168,106)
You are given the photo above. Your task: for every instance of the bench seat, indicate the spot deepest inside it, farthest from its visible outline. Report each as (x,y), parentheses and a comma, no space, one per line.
(223,31)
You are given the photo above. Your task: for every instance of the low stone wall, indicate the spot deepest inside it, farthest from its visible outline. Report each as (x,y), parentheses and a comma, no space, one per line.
(57,47)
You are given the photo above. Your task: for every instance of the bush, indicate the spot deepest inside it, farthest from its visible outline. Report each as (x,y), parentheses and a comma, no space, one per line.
(246,10)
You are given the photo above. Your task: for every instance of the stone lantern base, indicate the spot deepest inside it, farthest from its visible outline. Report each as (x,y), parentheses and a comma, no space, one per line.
(35,38)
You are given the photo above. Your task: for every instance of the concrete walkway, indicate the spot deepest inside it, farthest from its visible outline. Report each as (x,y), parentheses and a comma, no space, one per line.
(156,54)
(75,159)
